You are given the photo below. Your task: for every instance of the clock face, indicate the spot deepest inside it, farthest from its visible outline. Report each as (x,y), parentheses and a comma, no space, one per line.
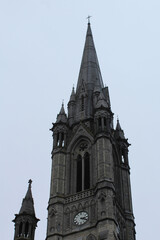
(81,218)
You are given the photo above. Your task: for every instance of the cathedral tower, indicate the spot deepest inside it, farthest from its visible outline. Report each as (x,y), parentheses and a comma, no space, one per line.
(90,193)
(26,221)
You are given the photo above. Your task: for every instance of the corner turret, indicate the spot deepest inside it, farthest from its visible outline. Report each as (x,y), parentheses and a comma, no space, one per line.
(59,129)
(26,221)
(122,144)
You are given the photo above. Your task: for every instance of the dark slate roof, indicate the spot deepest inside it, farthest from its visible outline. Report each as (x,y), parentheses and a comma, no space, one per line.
(89,71)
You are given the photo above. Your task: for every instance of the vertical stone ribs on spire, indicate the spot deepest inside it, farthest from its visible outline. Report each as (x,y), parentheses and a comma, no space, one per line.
(90,70)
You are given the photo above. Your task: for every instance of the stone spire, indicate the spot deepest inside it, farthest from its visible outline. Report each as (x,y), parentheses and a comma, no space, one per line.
(72,97)
(28,204)
(89,73)
(62,117)
(119,131)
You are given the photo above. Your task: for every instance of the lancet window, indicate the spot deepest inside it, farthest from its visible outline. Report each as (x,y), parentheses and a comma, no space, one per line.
(83,172)
(83,168)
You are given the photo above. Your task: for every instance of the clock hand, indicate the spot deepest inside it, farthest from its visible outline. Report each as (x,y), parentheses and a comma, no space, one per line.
(85,218)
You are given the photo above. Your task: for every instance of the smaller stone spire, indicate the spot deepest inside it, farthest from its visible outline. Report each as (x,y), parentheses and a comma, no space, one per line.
(28,204)
(106,94)
(101,101)
(26,221)
(62,111)
(72,97)
(118,127)
(62,117)
(119,131)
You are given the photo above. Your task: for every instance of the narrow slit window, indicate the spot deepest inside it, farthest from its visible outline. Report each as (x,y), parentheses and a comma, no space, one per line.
(79,173)
(26,229)
(123,160)
(20,229)
(86,171)
(99,122)
(62,139)
(57,139)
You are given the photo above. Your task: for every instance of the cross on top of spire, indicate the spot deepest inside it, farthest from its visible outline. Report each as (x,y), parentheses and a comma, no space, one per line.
(89,19)
(30,182)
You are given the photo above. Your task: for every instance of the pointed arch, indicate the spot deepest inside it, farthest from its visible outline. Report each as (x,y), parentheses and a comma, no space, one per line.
(80,206)
(91,237)
(74,208)
(86,205)
(67,210)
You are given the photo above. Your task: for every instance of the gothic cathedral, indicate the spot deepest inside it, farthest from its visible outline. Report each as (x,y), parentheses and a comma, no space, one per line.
(90,192)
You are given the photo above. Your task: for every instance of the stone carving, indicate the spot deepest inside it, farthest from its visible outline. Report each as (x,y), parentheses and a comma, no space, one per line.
(52,212)
(52,229)
(91,237)
(103,235)
(102,196)
(83,146)
(58,226)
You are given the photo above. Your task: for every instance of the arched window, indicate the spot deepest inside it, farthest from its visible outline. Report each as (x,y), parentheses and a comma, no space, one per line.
(20,229)
(26,232)
(83,172)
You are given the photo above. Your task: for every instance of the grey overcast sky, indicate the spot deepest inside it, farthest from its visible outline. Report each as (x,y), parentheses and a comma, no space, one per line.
(41,44)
